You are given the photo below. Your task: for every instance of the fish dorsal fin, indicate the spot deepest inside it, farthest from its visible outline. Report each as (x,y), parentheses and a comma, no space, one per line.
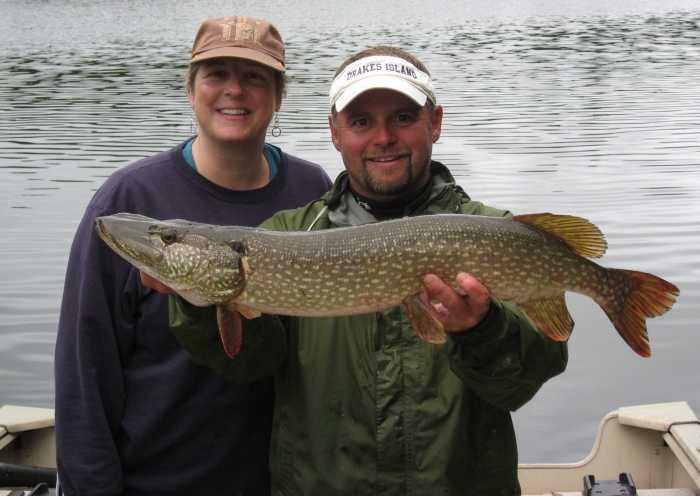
(551,316)
(578,234)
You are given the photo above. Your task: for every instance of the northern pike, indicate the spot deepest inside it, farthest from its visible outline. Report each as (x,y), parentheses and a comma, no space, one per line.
(530,259)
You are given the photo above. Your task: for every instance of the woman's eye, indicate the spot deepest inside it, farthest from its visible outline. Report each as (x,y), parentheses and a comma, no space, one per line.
(215,73)
(257,77)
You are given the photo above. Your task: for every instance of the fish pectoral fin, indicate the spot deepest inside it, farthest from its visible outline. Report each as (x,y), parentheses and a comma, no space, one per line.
(249,313)
(426,325)
(551,316)
(230,328)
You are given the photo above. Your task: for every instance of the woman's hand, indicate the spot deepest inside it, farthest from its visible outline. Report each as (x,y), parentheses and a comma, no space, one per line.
(153,283)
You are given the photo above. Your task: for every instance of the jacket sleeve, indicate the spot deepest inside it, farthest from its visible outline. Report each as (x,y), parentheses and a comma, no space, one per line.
(505,359)
(90,388)
(263,346)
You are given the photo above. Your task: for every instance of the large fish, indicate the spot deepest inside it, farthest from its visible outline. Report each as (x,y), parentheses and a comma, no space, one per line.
(530,259)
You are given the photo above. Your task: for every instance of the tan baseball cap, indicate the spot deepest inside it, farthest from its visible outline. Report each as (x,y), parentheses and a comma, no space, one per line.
(239,37)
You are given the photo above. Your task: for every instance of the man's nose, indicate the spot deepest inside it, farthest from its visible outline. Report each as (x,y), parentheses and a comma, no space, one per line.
(384,134)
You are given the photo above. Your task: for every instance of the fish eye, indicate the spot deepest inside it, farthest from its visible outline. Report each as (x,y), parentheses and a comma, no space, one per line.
(168,236)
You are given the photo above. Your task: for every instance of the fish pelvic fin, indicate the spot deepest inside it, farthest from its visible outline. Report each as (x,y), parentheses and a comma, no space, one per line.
(581,236)
(551,316)
(230,328)
(426,325)
(649,296)
(249,313)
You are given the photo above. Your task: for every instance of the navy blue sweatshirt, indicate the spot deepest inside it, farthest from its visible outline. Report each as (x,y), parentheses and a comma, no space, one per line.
(134,415)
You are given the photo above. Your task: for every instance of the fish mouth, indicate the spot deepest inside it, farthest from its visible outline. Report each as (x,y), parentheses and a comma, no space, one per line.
(130,236)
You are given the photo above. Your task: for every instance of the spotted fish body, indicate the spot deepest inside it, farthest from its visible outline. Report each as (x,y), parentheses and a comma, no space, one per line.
(531,259)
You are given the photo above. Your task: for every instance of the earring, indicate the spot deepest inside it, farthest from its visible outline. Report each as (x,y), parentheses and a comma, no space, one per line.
(276,131)
(193,123)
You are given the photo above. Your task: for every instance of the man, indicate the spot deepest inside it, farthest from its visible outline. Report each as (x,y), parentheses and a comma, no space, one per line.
(364,406)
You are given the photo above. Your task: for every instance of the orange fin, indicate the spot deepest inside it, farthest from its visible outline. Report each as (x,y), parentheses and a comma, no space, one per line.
(578,234)
(249,313)
(551,316)
(649,296)
(423,321)
(230,329)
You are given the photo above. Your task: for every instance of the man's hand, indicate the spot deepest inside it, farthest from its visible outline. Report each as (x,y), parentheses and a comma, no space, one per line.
(457,312)
(152,283)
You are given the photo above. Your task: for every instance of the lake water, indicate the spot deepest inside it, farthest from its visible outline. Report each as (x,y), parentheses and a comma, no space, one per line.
(584,108)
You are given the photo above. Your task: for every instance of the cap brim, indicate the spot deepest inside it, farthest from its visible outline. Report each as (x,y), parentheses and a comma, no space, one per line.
(240,53)
(380,82)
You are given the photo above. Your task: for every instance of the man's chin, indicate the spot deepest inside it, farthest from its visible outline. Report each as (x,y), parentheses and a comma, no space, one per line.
(390,189)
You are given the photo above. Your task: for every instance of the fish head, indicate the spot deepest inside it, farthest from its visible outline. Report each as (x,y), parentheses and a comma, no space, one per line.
(205,264)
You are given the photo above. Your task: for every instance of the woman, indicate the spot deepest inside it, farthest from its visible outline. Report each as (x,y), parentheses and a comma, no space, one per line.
(133,414)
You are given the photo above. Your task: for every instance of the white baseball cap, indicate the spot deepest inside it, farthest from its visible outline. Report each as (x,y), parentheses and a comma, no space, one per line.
(381,71)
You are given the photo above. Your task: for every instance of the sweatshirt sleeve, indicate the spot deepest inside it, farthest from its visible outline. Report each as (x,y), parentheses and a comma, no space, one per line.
(263,346)
(90,390)
(506,359)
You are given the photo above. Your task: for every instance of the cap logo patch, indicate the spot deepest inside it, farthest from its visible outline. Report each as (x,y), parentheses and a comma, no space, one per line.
(244,32)
(398,68)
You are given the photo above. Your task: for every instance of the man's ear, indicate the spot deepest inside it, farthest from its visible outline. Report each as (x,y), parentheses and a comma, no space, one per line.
(334,133)
(437,123)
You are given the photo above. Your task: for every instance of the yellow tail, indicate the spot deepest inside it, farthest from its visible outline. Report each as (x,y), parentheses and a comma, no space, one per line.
(649,296)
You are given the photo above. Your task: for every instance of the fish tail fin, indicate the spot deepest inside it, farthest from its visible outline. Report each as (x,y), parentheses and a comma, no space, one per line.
(648,296)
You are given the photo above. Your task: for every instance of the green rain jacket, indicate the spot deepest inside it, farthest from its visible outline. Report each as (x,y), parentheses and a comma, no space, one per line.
(364,406)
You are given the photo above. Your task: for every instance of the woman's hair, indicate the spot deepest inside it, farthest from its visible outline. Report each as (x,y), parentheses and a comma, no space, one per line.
(281,79)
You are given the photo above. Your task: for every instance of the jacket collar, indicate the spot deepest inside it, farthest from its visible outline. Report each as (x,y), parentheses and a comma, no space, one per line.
(345,211)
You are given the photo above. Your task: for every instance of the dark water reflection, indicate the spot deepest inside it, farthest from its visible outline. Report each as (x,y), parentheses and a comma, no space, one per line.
(587,110)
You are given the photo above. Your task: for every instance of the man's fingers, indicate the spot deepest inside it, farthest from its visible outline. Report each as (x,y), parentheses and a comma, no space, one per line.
(473,289)
(438,290)
(457,312)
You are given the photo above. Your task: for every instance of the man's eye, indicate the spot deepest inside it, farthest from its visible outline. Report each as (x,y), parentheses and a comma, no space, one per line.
(361,122)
